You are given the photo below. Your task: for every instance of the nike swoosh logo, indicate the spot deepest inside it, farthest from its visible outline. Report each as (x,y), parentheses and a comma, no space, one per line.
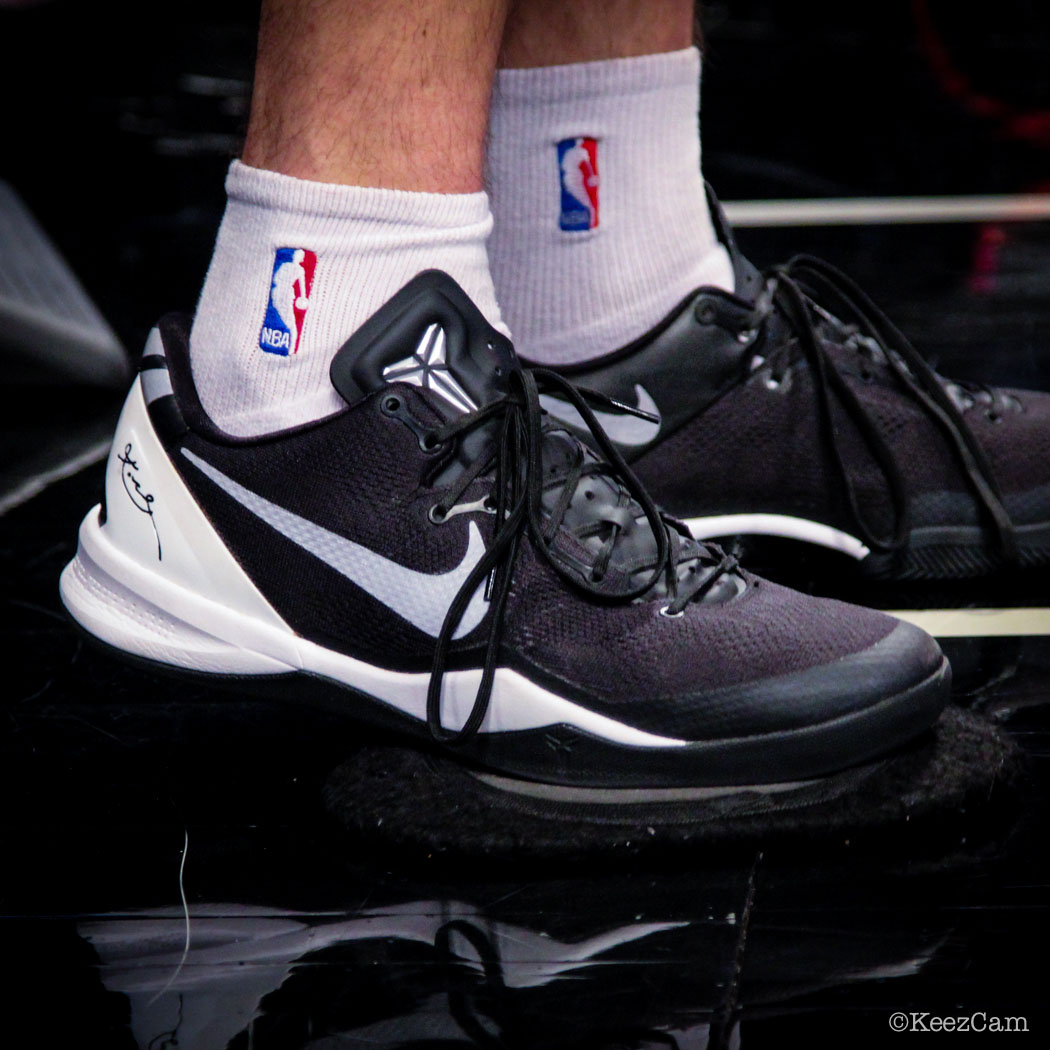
(421,598)
(622,428)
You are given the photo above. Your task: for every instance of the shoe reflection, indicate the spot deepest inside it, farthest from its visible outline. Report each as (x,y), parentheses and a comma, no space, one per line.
(447,973)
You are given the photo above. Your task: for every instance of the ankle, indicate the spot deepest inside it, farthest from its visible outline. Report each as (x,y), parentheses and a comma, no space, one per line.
(263,337)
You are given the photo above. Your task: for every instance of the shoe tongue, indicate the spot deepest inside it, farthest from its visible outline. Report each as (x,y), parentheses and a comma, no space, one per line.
(747,281)
(431,335)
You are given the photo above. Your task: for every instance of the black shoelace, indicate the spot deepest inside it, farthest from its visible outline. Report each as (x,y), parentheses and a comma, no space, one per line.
(515,456)
(796,289)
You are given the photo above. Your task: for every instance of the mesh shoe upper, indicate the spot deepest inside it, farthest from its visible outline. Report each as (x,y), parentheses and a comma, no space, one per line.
(365,475)
(614,653)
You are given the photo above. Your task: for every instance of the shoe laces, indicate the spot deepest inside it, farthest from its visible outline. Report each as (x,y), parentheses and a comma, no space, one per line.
(824,307)
(527,499)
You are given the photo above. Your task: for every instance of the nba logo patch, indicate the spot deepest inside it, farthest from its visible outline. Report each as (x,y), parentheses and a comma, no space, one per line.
(290,284)
(578,172)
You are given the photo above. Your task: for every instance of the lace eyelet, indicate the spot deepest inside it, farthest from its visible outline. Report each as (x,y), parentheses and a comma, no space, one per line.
(429,443)
(773,383)
(705,313)
(744,337)
(866,375)
(390,404)
(993,417)
(437,515)
(490,505)
(670,615)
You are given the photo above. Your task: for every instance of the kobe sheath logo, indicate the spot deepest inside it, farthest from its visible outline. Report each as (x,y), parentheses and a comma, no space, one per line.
(290,284)
(421,598)
(578,172)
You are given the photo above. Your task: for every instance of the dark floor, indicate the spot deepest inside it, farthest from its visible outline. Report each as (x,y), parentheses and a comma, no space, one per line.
(132,803)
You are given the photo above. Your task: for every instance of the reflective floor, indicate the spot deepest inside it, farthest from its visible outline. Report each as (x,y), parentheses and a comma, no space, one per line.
(170,876)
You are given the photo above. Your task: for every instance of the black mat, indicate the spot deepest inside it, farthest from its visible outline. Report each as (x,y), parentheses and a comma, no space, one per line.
(962,771)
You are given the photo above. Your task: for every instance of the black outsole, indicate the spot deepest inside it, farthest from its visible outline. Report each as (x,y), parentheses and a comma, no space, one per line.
(560,754)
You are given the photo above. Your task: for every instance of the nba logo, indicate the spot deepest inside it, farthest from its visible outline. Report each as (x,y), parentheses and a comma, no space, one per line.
(290,283)
(578,171)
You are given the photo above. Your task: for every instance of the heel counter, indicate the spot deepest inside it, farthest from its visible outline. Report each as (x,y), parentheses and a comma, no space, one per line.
(152,518)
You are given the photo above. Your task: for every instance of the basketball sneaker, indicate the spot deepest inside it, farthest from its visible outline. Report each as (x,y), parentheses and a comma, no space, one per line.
(793,407)
(456,565)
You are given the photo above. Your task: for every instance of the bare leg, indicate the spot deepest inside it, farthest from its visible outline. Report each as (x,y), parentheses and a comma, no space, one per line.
(553,33)
(383,93)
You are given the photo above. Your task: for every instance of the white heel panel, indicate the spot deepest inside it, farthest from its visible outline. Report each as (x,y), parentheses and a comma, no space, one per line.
(152,519)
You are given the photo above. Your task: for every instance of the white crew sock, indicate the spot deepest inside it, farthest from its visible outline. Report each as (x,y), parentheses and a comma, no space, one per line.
(573,288)
(359,246)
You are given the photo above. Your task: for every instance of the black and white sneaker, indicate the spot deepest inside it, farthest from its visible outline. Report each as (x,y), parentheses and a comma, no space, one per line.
(794,408)
(466,570)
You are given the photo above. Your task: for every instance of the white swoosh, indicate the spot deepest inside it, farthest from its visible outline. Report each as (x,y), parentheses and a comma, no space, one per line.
(622,428)
(422,598)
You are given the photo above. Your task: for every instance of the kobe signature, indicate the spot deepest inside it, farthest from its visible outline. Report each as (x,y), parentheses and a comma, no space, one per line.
(142,500)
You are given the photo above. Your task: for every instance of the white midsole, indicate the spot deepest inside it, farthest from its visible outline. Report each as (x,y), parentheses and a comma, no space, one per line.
(777,525)
(106,592)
